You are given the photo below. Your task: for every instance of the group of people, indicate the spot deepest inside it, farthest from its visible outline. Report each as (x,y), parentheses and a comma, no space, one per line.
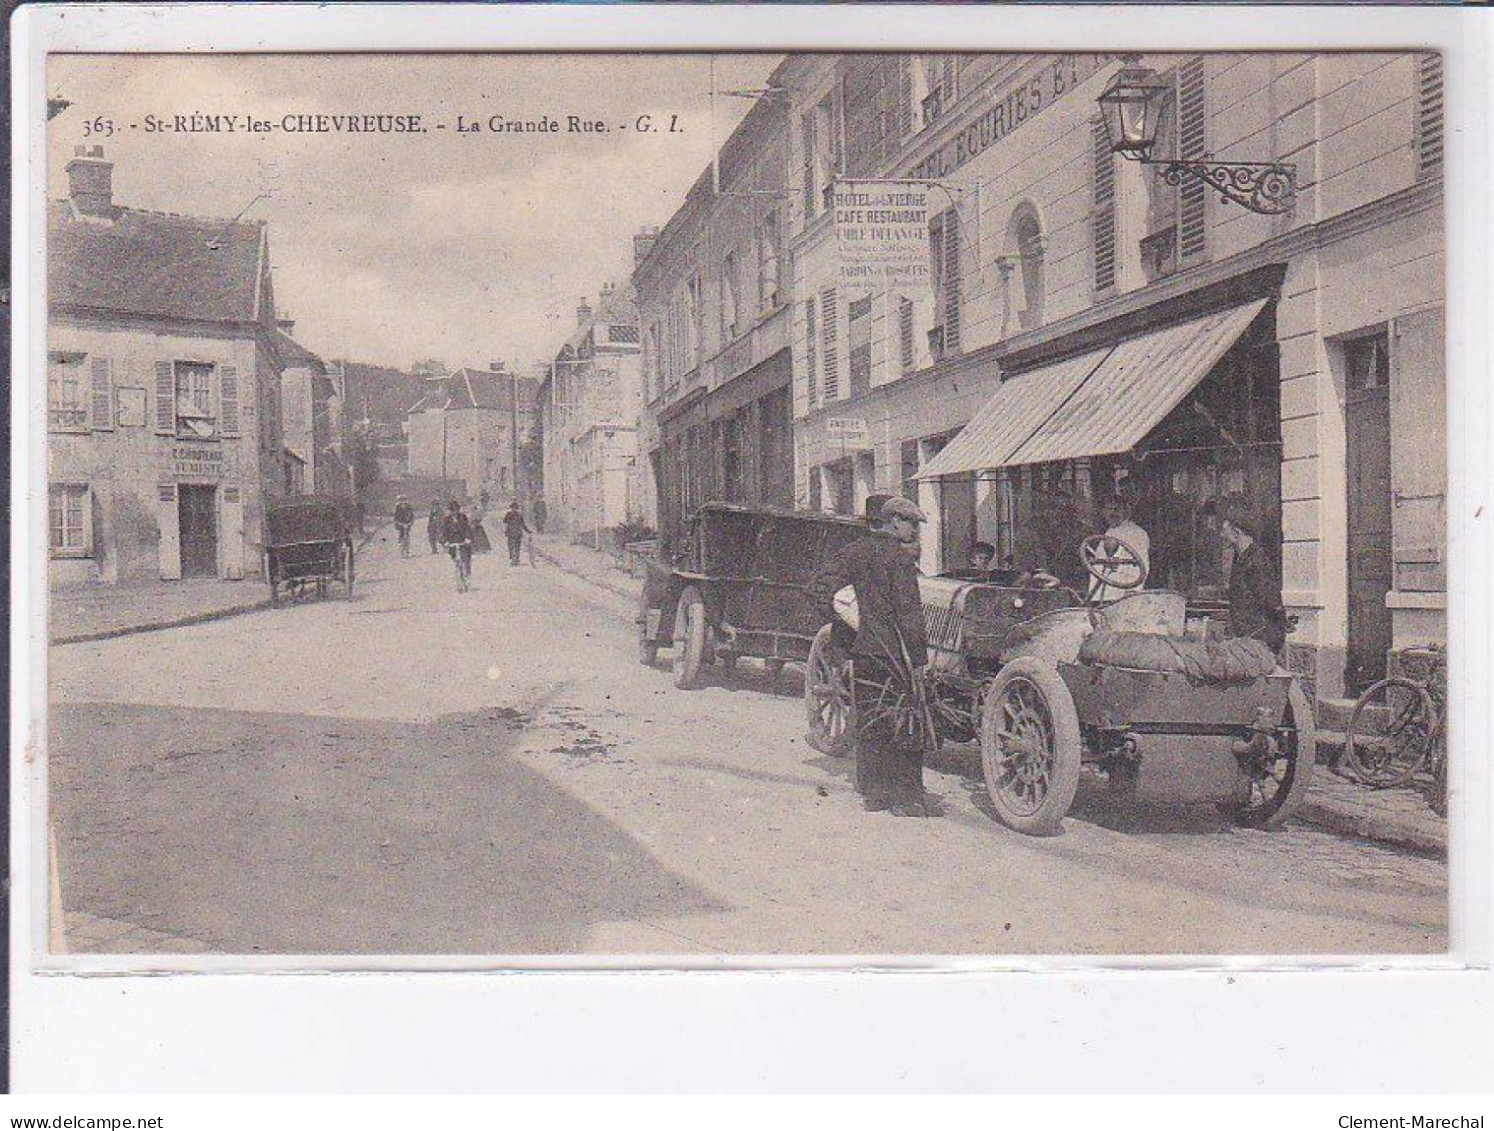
(877,577)
(459,535)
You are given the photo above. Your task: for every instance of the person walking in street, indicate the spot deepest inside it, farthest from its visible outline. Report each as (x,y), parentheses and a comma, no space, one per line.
(404,519)
(433,526)
(888,655)
(1256,609)
(480,542)
(456,535)
(514,529)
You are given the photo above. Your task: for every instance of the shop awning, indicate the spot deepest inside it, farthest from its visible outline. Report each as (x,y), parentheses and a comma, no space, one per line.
(1101,403)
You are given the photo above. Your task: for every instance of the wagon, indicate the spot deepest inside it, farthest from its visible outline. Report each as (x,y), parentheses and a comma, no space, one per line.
(1025,671)
(308,545)
(740,587)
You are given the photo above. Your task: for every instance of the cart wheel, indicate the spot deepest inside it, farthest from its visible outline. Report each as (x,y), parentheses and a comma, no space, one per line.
(347,572)
(827,697)
(689,639)
(1277,789)
(1030,746)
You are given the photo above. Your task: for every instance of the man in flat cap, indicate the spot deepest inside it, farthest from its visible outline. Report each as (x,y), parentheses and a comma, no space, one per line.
(1255,604)
(888,656)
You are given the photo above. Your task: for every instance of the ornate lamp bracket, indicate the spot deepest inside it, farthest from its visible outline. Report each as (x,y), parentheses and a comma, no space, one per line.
(1263,187)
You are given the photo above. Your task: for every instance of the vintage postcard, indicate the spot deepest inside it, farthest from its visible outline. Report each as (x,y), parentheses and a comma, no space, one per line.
(694,506)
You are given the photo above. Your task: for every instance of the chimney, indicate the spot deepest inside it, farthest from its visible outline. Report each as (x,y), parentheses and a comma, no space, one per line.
(609,289)
(287,326)
(91,182)
(583,313)
(643,243)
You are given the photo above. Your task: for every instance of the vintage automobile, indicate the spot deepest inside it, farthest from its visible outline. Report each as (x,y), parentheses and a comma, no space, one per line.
(308,545)
(740,587)
(1048,681)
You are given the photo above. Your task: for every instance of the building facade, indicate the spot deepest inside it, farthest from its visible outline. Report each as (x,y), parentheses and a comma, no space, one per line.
(468,426)
(311,416)
(1092,328)
(589,406)
(714,295)
(163,383)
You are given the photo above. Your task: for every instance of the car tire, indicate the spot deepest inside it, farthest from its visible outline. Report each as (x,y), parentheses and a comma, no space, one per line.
(1030,746)
(1273,812)
(689,639)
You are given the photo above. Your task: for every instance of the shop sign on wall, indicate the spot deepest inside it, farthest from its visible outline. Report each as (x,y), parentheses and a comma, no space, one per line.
(195,459)
(847,432)
(882,235)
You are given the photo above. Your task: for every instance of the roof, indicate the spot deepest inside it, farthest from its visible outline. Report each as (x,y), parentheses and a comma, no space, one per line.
(618,307)
(155,265)
(293,355)
(483,388)
(1100,403)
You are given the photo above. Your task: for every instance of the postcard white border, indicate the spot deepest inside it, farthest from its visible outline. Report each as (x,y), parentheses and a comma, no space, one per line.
(1049,1023)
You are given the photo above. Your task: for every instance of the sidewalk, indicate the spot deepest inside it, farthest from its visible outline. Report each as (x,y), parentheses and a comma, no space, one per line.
(595,566)
(99,612)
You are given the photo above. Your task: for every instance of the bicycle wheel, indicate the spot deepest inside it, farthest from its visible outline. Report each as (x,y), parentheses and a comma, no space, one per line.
(1390,732)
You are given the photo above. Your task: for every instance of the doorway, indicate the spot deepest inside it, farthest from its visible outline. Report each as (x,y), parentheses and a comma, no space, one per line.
(1367,427)
(198,510)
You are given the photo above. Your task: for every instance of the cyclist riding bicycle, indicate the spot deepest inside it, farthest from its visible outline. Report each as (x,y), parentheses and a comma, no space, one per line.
(404,519)
(456,536)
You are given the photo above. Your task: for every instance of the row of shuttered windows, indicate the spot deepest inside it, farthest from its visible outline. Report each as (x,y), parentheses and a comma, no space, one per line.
(192,400)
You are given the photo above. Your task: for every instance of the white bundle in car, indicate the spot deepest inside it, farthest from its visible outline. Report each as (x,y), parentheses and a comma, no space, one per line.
(845,607)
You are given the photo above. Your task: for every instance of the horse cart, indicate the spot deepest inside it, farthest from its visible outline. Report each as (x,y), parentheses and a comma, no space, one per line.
(1050,682)
(308,545)
(740,587)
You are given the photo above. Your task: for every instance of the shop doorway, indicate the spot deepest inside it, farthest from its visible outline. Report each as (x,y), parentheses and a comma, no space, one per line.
(198,511)
(1367,427)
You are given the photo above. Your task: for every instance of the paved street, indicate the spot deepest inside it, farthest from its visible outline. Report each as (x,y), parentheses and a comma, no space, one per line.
(424,771)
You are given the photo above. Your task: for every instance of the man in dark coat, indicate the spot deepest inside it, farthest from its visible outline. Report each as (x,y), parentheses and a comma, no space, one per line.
(456,533)
(514,529)
(1255,605)
(433,526)
(404,518)
(888,655)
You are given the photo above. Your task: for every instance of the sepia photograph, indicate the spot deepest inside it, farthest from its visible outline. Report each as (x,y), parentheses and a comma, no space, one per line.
(670,507)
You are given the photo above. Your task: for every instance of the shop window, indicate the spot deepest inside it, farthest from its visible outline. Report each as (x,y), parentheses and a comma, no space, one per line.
(68,512)
(196,418)
(1429,115)
(67,403)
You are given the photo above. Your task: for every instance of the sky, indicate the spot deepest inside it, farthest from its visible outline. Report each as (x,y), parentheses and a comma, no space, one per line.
(390,248)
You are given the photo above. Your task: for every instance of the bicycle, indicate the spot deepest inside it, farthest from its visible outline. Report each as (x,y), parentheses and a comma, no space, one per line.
(1399,726)
(404,540)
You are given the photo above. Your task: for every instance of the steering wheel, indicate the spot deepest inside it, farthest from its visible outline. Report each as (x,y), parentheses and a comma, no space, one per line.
(1103,562)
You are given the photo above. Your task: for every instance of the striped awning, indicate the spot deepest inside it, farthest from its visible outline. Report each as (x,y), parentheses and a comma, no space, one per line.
(1100,403)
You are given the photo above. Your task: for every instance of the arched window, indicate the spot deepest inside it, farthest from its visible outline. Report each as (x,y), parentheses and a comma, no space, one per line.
(1025,248)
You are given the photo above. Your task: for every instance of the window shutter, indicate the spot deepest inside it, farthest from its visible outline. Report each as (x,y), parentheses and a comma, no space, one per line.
(904,95)
(828,340)
(1191,147)
(807,123)
(837,130)
(1429,115)
(101,396)
(905,332)
(228,400)
(811,350)
(952,294)
(1103,220)
(165,398)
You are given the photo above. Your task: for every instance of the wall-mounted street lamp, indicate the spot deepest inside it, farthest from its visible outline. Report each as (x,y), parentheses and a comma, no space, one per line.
(1132,108)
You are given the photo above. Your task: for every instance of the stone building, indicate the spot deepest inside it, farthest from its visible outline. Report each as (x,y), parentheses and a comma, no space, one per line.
(1093,328)
(163,389)
(589,404)
(311,415)
(714,289)
(468,427)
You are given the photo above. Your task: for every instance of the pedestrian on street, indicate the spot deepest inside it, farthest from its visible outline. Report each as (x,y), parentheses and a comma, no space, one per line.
(888,655)
(404,519)
(1256,609)
(456,535)
(433,526)
(541,512)
(480,543)
(514,529)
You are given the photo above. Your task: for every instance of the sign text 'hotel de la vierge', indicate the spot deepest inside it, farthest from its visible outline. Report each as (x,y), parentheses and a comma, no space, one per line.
(882,235)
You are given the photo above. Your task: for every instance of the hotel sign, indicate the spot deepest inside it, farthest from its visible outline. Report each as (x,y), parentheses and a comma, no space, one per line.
(1008,108)
(197,459)
(882,235)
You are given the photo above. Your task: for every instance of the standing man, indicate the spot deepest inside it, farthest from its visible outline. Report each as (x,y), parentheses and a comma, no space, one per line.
(514,529)
(888,656)
(1255,606)
(456,533)
(404,519)
(1116,510)
(433,526)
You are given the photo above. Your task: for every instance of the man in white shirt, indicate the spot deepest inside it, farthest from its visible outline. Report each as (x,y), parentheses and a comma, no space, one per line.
(1117,514)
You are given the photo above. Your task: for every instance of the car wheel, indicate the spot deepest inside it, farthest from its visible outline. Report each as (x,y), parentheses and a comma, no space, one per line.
(828,701)
(1278,789)
(689,639)
(1030,746)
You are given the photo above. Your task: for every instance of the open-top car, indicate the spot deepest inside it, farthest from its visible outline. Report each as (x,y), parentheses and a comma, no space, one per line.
(1049,681)
(308,545)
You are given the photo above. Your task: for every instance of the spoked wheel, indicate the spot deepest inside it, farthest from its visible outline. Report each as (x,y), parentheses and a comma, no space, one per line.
(347,572)
(1390,733)
(1030,746)
(689,639)
(1279,778)
(827,696)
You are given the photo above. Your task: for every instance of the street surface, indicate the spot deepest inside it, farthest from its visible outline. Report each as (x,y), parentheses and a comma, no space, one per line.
(494,772)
